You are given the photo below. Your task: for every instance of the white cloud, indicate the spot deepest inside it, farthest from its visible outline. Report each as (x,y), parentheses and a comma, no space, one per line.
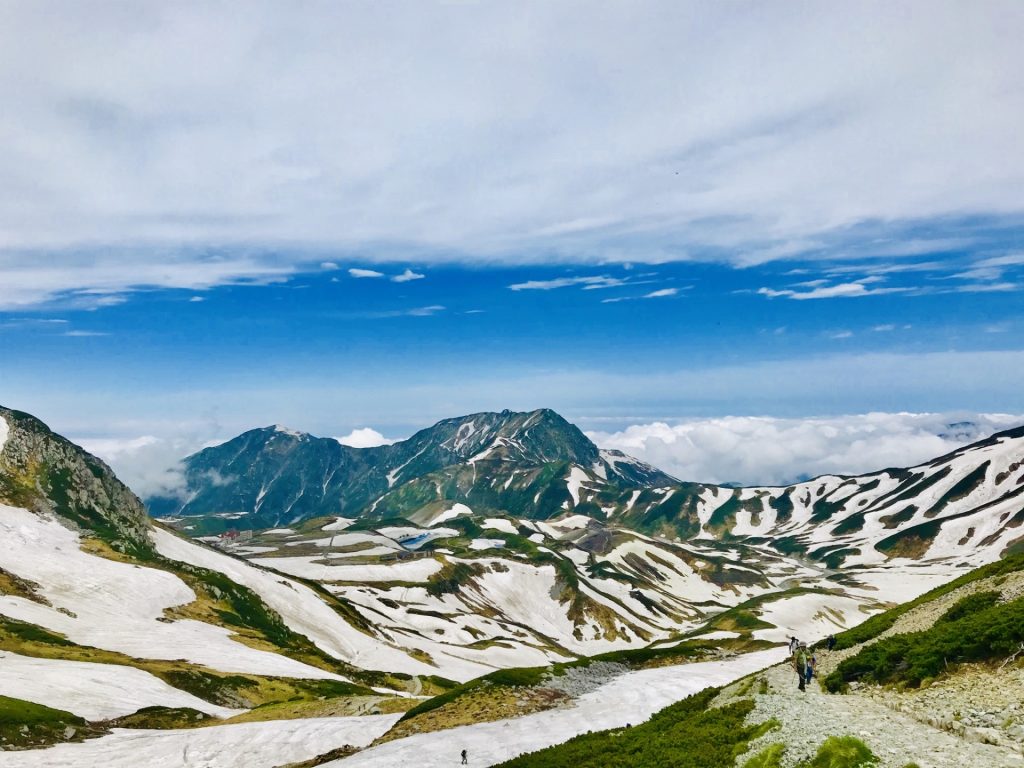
(841,335)
(330,266)
(598,281)
(840,290)
(884,328)
(407,276)
(425,311)
(85,334)
(662,293)
(775,451)
(365,273)
(196,299)
(364,437)
(183,123)
(150,466)
(95,280)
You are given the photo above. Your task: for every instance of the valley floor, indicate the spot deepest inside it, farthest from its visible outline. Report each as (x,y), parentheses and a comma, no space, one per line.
(630,698)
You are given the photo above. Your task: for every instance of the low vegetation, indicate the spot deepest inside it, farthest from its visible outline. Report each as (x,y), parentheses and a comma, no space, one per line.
(878,624)
(25,725)
(973,630)
(686,733)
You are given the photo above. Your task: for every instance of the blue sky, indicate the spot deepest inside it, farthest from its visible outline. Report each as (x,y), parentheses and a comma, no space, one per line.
(630,213)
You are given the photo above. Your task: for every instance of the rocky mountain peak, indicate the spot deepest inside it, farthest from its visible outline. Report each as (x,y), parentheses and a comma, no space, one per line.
(43,472)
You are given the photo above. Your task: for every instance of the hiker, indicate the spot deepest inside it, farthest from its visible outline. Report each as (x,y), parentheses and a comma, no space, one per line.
(812,666)
(800,665)
(830,643)
(793,644)
(464,760)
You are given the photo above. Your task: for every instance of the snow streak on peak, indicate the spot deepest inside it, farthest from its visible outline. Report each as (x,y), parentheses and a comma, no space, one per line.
(4,431)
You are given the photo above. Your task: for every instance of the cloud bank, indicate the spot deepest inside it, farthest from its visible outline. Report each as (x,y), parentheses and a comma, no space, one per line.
(735,131)
(774,451)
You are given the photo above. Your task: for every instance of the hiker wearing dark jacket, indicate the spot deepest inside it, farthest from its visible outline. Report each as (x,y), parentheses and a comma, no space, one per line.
(800,660)
(831,642)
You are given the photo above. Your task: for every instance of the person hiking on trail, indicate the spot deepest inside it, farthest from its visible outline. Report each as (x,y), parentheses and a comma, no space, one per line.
(793,644)
(812,666)
(830,643)
(800,665)
(464,760)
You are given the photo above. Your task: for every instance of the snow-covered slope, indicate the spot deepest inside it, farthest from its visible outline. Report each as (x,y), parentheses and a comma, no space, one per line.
(246,745)
(965,508)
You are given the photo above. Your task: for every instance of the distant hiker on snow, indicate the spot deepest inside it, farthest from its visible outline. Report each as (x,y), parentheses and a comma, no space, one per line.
(830,643)
(793,644)
(800,660)
(464,761)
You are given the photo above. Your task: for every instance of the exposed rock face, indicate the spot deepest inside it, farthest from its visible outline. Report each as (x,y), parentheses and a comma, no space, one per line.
(43,472)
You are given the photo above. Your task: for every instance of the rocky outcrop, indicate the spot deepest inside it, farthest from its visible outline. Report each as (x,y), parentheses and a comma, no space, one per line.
(43,472)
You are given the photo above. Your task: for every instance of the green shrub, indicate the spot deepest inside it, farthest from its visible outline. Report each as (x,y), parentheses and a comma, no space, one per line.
(878,624)
(981,635)
(842,752)
(684,734)
(769,757)
(979,601)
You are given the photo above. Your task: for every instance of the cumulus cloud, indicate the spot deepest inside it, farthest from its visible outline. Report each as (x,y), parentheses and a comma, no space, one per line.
(364,437)
(776,451)
(364,273)
(662,293)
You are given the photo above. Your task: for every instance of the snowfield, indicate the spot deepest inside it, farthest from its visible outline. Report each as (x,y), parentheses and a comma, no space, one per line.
(115,606)
(93,691)
(313,568)
(245,745)
(630,698)
(4,431)
(299,606)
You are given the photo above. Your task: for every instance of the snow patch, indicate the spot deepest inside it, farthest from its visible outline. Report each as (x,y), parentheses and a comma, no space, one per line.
(93,691)
(451,514)
(243,745)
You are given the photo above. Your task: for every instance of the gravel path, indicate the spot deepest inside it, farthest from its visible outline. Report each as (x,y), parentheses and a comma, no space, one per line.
(974,719)
(809,718)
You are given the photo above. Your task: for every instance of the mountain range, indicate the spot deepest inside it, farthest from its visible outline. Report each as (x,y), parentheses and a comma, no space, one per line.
(485,543)
(536,466)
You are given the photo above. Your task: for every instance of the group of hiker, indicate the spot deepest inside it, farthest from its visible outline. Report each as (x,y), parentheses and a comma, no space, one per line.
(805,662)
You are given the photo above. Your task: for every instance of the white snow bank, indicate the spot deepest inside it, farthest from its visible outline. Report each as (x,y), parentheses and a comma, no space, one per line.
(451,514)
(4,431)
(245,745)
(720,634)
(116,606)
(311,568)
(300,607)
(486,543)
(279,531)
(338,525)
(630,698)
(93,691)
(809,617)
(500,524)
